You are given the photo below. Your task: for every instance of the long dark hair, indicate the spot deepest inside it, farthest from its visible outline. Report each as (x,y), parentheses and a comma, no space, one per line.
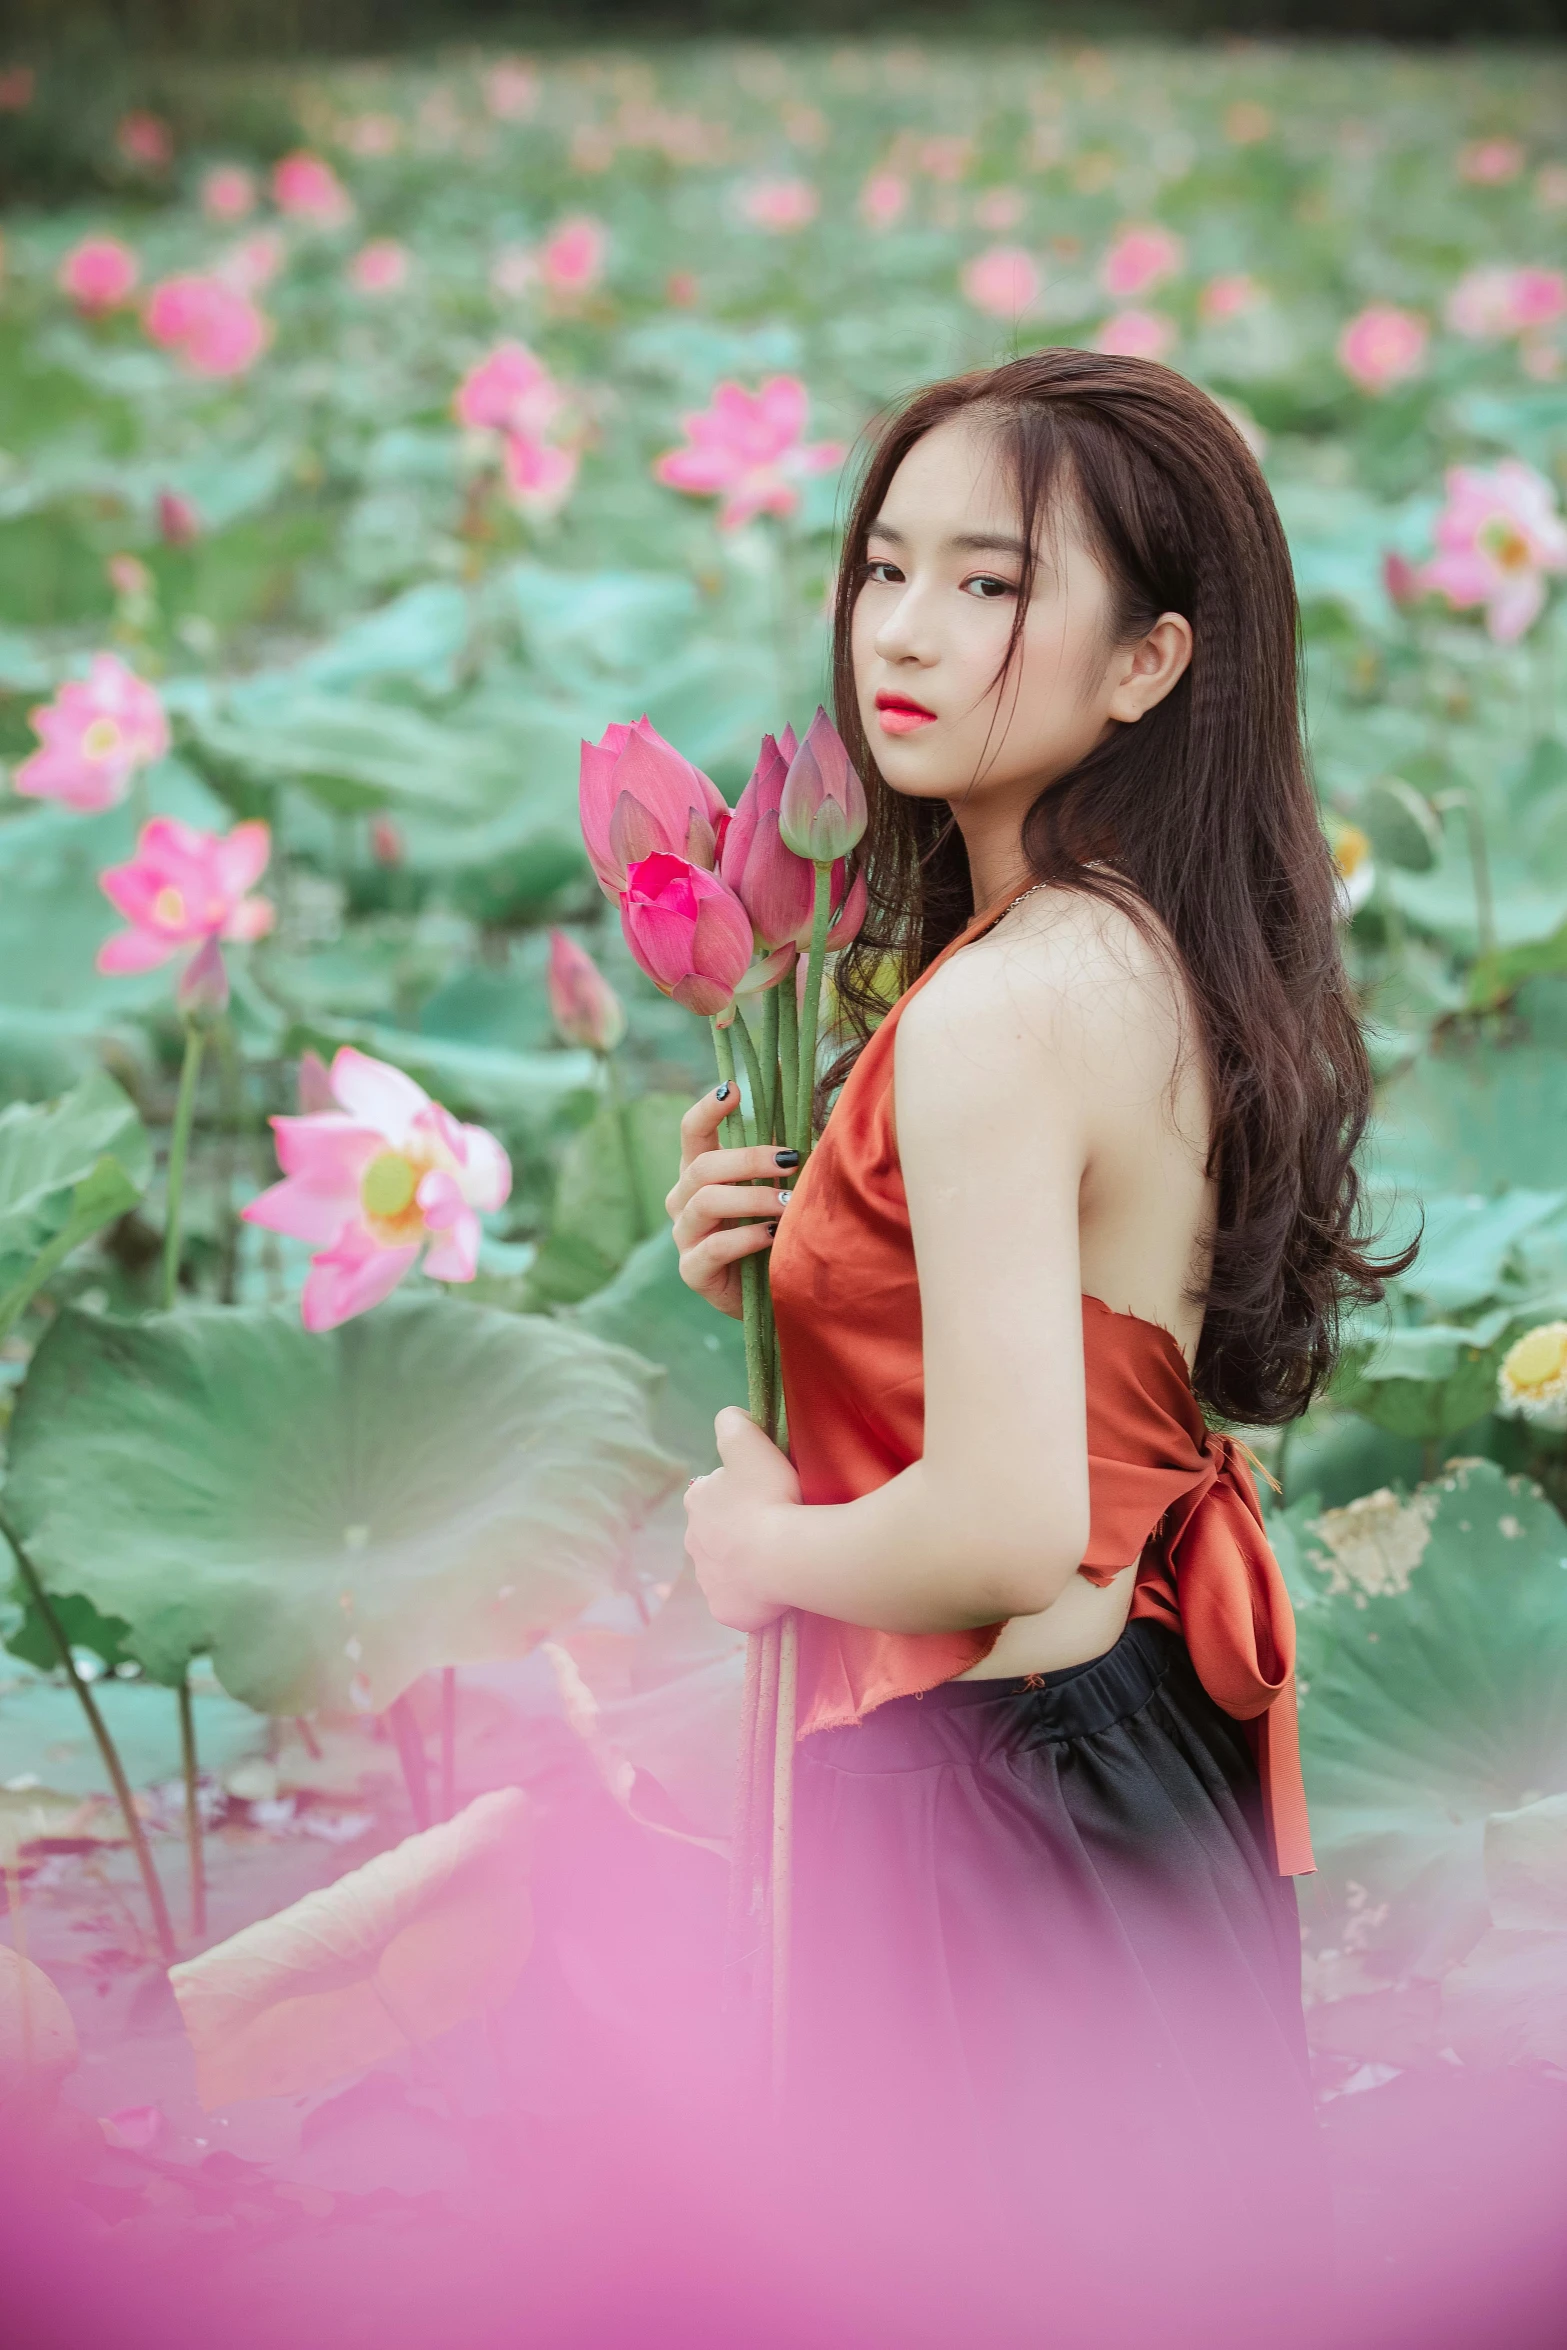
(1206,809)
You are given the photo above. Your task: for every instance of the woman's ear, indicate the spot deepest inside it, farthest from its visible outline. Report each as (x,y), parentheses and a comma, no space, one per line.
(1149,668)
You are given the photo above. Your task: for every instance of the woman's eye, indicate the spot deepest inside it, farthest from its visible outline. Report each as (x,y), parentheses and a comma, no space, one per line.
(884,573)
(987,587)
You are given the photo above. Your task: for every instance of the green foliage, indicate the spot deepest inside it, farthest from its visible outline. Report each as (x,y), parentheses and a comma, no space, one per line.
(649,1308)
(330,1516)
(597,1219)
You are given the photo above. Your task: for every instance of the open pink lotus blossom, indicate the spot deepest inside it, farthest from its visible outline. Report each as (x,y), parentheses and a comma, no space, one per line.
(1139,260)
(748,449)
(583,1005)
(1228,296)
(94,735)
(228,192)
(571,258)
(1137,334)
(884,199)
(776,887)
(145,139)
(538,474)
(1383,345)
(307,188)
(1490,163)
(510,391)
(215,329)
(185,888)
(1003,282)
(511,90)
(638,795)
(382,1176)
(1489,303)
(687,930)
(1498,537)
(99,274)
(780,206)
(379,267)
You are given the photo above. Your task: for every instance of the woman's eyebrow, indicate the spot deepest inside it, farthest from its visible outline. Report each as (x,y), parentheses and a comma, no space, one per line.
(975,542)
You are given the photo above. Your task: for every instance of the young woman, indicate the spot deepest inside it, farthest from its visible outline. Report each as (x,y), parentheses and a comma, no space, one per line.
(1088,1186)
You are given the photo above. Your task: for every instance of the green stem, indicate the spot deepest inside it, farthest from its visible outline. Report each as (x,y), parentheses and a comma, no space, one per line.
(756,1379)
(188,1766)
(789,1054)
(179,1151)
(810,1018)
(232,1112)
(105,1744)
(772,1122)
(756,1114)
(641,1221)
(1480,864)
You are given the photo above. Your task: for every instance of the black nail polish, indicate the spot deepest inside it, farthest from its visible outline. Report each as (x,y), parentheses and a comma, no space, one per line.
(786,1158)
(723,1091)
(773,1229)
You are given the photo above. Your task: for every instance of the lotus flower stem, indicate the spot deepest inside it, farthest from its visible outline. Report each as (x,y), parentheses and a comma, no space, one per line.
(190,1772)
(162,1926)
(786,1631)
(179,1151)
(409,1741)
(789,1055)
(448,1741)
(233,1121)
(750,1270)
(641,1221)
(772,1120)
(810,1016)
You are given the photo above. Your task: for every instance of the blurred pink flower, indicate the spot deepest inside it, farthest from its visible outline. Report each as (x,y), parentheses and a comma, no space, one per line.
(509,392)
(99,274)
(1003,282)
(17,84)
(514,271)
(539,474)
(637,794)
(571,259)
(379,267)
(1383,345)
(1402,579)
(884,199)
(583,1005)
(179,524)
(216,329)
(780,206)
(776,887)
(228,192)
(307,188)
(372,134)
(94,735)
(687,930)
(128,576)
(748,449)
(1491,302)
(375,1180)
(999,209)
(1139,260)
(185,888)
(387,845)
(1498,537)
(254,262)
(1228,296)
(511,90)
(1490,163)
(681,289)
(145,139)
(1137,334)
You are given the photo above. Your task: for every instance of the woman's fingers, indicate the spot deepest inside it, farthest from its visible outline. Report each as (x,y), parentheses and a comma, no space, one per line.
(699,1127)
(718,1203)
(763,1163)
(710,1266)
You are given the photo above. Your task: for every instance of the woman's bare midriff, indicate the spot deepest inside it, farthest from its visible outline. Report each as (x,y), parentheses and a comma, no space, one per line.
(1085,1621)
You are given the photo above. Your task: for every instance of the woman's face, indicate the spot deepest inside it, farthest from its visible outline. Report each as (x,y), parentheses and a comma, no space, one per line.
(932,623)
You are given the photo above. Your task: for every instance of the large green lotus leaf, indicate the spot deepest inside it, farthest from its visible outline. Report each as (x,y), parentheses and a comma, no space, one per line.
(1430,1380)
(1468,1245)
(1433,1675)
(595,1225)
(1477,1118)
(68,1166)
(649,1308)
(435,1483)
(419,635)
(350,754)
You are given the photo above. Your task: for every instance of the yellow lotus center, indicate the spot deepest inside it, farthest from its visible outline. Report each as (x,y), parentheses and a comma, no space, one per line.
(168,908)
(1351,851)
(100,740)
(1539,1360)
(1505,544)
(388,1185)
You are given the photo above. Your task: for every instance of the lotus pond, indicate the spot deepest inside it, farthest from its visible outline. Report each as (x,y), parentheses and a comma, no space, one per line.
(350,478)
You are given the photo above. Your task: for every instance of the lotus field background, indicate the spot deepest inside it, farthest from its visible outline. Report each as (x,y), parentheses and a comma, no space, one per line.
(359,461)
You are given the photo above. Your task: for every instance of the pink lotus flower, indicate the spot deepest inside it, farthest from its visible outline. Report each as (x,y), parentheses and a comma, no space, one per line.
(571,259)
(583,1005)
(1490,163)
(179,524)
(387,845)
(94,735)
(539,474)
(228,192)
(511,90)
(379,267)
(146,140)
(254,262)
(1403,580)
(1002,282)
(748,449)
(1139,260)
(1383,345)
(382,1176)
(17,84)
(1229,296)
(1137,334)
(1489,303)
(510,391)
(638,796)
(687,930)
(185,888)
(776,887)
(780,206)
(1498,537)
(822,811)
(884,199)
(216,330)
(99,274)
(307,188)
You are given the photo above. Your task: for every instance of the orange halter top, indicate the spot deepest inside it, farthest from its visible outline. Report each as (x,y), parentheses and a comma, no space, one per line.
(1164,1489)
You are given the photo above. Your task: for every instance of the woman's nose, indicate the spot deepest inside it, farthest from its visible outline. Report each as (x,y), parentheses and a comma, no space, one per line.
(904,631)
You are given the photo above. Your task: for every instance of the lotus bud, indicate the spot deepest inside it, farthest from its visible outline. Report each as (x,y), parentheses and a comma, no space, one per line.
(640,798)
(688,932)
(584,1006)
(1532,1382)
(202,996)
(823,811)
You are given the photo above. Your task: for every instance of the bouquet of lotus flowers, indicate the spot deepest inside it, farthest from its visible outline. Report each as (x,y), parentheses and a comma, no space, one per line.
(732,913)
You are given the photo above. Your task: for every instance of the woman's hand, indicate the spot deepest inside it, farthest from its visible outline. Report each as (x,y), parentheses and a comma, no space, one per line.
(736,1522)
(716,1186)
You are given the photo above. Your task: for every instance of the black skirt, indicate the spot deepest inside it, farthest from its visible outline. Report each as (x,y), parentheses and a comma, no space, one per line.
(1045,1974)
